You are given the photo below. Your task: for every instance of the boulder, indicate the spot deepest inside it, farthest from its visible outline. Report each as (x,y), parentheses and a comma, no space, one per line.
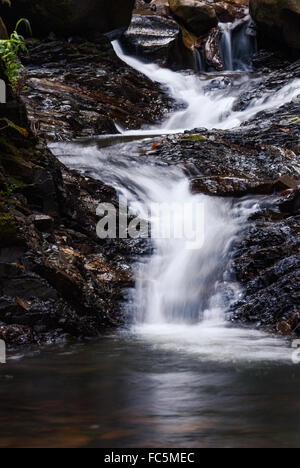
(278,21)
(228,12)
(151,37)
(71,17)
(197,17)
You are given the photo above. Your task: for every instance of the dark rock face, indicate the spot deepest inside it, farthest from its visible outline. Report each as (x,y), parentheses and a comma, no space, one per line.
(278,21)
(71,16)
(81,88)
(267,265)
(57,279)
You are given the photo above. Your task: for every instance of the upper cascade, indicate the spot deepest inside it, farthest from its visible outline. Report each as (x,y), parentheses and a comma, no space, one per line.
(184,34)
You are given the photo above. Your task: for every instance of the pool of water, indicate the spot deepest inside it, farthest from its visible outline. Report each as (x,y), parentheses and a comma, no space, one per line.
(127,391)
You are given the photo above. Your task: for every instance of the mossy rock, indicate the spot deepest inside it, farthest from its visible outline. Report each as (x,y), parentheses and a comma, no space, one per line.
(195,137)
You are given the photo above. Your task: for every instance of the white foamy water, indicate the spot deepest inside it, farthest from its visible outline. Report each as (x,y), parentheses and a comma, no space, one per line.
(181,295)
(205,107)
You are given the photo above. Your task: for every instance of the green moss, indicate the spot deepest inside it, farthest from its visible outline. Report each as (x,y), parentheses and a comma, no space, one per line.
(195,137)
(294,120)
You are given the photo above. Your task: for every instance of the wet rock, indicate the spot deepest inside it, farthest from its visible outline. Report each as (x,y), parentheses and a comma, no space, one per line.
(267,265)
(60,282)
(80,89)
(237,187)
(151,37)
(197,17)
(292,204)
(228,12)
(233,162)
(212,53)
(17,335)
(43,223)
(278,21)
(71,16)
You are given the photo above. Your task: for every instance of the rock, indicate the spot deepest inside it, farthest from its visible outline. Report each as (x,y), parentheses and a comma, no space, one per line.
(197,17)
(233,186)
(17,335)
(43,223)
(71,16)
(212,53)
(267,265)
(65,283)
(152,38)
(228,12)
(86,90)
(292,204)
(160,7)
(3,30)
(278,21)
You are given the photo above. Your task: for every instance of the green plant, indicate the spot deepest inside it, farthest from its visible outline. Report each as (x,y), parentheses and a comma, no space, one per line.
(8,191)
(9,51)
(9,124)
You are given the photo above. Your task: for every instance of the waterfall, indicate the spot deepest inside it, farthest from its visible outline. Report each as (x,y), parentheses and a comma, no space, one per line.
(199,65)
(237,44)
(181,294)
(209,101)
(226,45)
(183,281)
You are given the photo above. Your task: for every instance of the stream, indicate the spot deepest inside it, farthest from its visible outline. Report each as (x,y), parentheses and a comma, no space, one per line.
(180,374)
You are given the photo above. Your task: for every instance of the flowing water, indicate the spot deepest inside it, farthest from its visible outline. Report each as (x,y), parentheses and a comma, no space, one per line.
(180,375)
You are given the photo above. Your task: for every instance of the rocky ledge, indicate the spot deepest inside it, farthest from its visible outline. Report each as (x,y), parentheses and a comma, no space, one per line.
(57,279)
(78,88)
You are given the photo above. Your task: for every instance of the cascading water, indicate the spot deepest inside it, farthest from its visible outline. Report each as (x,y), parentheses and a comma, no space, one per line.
(182,295)
(237,44)
(209,99)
